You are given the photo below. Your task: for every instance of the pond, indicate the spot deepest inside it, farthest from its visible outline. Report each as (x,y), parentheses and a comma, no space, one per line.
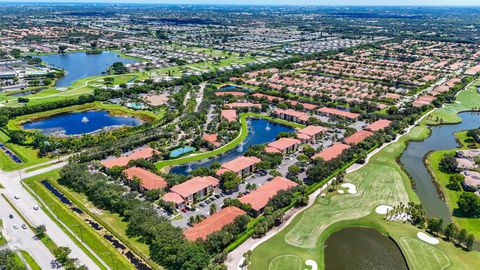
(229,87)
(77,123)
(362,249)
(442,138)
(80,65)
(260,131)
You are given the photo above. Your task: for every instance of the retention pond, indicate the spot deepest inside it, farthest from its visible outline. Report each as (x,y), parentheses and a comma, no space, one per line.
(362,249)
(77,123)
(80,65)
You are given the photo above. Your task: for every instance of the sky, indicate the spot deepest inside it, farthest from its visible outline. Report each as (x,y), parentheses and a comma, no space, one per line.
(284,2)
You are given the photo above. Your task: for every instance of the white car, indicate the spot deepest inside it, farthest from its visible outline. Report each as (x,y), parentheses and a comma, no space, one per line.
(15,226)
(16,197)
(35,207)
(24,226)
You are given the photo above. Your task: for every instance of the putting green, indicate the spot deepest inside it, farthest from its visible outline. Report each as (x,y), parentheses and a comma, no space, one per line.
(286,262)
(423,256)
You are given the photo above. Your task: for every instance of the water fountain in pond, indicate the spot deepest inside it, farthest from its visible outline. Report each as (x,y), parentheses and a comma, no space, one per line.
(267,128)
(189,167)
(85,120)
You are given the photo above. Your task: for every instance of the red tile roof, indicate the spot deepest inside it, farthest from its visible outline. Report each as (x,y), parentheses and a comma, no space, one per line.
(333,111)
(332,152)
(268,97)
(283,143)
(243,105)
(300,115)
(149,180)
(358,137)
(312,130)
(238,164)
(378,125)
(145,152)
(259,198)
(173,197)
(194,185)
(213,223)
(230,115)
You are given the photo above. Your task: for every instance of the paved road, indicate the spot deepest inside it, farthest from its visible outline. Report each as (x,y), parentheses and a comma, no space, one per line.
(24,239)
(13,187)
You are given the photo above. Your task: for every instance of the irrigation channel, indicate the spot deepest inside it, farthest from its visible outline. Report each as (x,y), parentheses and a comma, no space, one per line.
(442,138)
(135,260)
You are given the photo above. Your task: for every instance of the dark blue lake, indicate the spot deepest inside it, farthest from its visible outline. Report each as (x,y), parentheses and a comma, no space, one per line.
(80,65)
(260,131)
(80,122)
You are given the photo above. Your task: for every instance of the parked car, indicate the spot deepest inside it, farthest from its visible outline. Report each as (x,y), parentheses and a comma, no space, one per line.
(202,204)
(16,197)
(10,216)
(15,226)
(24,226)
(35,207)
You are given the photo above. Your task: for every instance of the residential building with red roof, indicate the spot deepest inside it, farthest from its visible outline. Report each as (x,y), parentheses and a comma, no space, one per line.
(260,197)
(358,137)
(192,189)
(331,152)
(213,223)
(378,125)
(230,115)
(212,139)
(144,152)
(241,105)
(242,166)
(311,133)
(291,115)
(283,145)
(336,112)
(268,97)
(149,180)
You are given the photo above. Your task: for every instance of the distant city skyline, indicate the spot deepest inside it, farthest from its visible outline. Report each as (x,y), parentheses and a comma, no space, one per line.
(278,2)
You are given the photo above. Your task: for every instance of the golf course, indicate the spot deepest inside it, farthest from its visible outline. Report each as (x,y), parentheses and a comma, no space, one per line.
(380,182)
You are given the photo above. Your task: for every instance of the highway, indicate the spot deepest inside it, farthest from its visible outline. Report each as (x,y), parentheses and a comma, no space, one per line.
(24,239)
(11,181)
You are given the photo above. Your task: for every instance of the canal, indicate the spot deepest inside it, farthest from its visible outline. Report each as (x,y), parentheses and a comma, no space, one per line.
(442,138)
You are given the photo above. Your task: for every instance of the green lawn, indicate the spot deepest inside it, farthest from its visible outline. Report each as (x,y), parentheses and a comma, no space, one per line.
(229,146)
(92,239)
(466,100)
(28,155)
(417,249)
(30,261)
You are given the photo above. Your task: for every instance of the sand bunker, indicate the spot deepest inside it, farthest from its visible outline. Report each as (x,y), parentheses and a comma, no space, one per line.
(340,191)
(427,238)
(352,189)
(312,264)
(383,209)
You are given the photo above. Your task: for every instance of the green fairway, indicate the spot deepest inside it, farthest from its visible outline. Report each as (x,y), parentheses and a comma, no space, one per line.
(416,250)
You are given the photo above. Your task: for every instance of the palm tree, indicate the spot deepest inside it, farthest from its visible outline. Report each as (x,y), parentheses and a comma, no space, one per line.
(213,208)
